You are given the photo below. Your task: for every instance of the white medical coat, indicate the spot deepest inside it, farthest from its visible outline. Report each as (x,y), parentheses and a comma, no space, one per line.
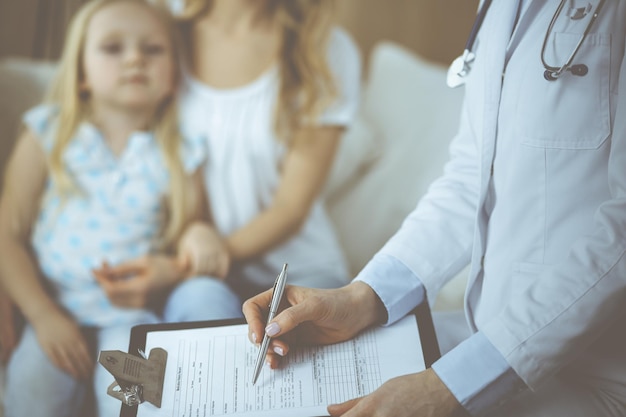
(534,195)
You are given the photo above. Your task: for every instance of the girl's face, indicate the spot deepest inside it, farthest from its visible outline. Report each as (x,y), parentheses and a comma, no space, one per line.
(128,59)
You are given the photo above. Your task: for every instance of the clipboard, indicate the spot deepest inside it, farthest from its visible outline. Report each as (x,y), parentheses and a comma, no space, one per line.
(139,335)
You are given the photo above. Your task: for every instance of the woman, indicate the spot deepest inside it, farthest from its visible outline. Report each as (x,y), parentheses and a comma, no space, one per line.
(272,85)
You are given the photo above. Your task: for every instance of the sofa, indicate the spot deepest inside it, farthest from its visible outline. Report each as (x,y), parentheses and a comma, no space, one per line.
(386,160)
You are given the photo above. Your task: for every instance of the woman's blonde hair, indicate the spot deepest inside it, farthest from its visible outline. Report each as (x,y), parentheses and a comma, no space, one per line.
(307,86)
(73,108)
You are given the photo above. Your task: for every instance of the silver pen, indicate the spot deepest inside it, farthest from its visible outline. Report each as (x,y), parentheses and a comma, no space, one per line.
(277,295)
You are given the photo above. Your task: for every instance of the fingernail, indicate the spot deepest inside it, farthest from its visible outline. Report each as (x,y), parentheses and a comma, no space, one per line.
(279,350)
(253,337)
(273,329)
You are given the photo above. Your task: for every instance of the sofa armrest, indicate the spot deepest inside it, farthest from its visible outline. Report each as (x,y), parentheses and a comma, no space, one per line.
(22,85)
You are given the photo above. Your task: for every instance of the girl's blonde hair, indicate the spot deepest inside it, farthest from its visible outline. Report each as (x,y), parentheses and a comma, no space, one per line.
(307,86)
(73,106)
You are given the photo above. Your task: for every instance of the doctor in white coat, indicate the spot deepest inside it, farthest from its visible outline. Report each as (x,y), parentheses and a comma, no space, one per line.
(534,196)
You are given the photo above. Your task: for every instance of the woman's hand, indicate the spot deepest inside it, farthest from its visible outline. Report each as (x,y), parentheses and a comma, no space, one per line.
(313,316)
(204,251)
(8,334)
(61,340)
(132,284)
(422,394)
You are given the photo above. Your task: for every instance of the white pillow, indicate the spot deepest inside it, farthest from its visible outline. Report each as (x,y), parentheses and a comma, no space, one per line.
(359,147)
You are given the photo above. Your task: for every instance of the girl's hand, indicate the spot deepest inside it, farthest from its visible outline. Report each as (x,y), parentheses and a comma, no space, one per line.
(61,340)
(201,248)
(132,284)
(8,334)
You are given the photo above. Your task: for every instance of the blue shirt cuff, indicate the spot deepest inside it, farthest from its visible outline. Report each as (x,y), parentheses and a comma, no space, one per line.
(394,283)
(478,375)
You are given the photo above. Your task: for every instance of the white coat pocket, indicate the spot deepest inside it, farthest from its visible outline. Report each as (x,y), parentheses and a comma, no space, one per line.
(572,112)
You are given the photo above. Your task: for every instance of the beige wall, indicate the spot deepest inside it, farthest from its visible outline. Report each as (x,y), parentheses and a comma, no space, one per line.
(17,27)
(436,29)
(34,28)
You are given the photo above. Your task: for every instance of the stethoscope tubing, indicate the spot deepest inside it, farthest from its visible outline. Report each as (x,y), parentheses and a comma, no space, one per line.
(480,17)
(552,72)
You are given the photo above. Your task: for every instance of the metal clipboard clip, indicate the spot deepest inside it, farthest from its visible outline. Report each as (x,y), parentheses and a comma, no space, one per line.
(138,379)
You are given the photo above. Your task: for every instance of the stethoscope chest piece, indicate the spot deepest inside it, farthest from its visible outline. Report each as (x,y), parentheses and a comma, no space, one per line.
(578,69)
(459,68)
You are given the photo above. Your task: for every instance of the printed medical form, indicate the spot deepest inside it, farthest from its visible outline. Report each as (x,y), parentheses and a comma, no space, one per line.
(209,372)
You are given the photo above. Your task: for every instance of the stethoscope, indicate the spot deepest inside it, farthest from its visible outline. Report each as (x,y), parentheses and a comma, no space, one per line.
(462,65)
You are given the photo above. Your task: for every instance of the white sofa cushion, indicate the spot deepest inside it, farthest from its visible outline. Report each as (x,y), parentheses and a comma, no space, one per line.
(22,85)
(360,146)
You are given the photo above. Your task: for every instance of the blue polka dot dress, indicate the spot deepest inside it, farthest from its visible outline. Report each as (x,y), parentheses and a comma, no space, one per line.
(117,214)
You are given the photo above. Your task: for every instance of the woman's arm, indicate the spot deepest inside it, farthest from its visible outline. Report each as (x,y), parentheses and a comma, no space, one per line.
(201,248)
(304,173)
(19,205)
(8,336)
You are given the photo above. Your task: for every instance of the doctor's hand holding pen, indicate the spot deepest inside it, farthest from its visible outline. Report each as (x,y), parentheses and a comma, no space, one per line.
(317,316)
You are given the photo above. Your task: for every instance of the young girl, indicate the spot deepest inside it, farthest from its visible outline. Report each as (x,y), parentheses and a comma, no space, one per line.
(272,85)
(97,179)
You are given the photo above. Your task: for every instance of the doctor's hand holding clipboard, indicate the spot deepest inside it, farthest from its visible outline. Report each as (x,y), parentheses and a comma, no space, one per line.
(319,316)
